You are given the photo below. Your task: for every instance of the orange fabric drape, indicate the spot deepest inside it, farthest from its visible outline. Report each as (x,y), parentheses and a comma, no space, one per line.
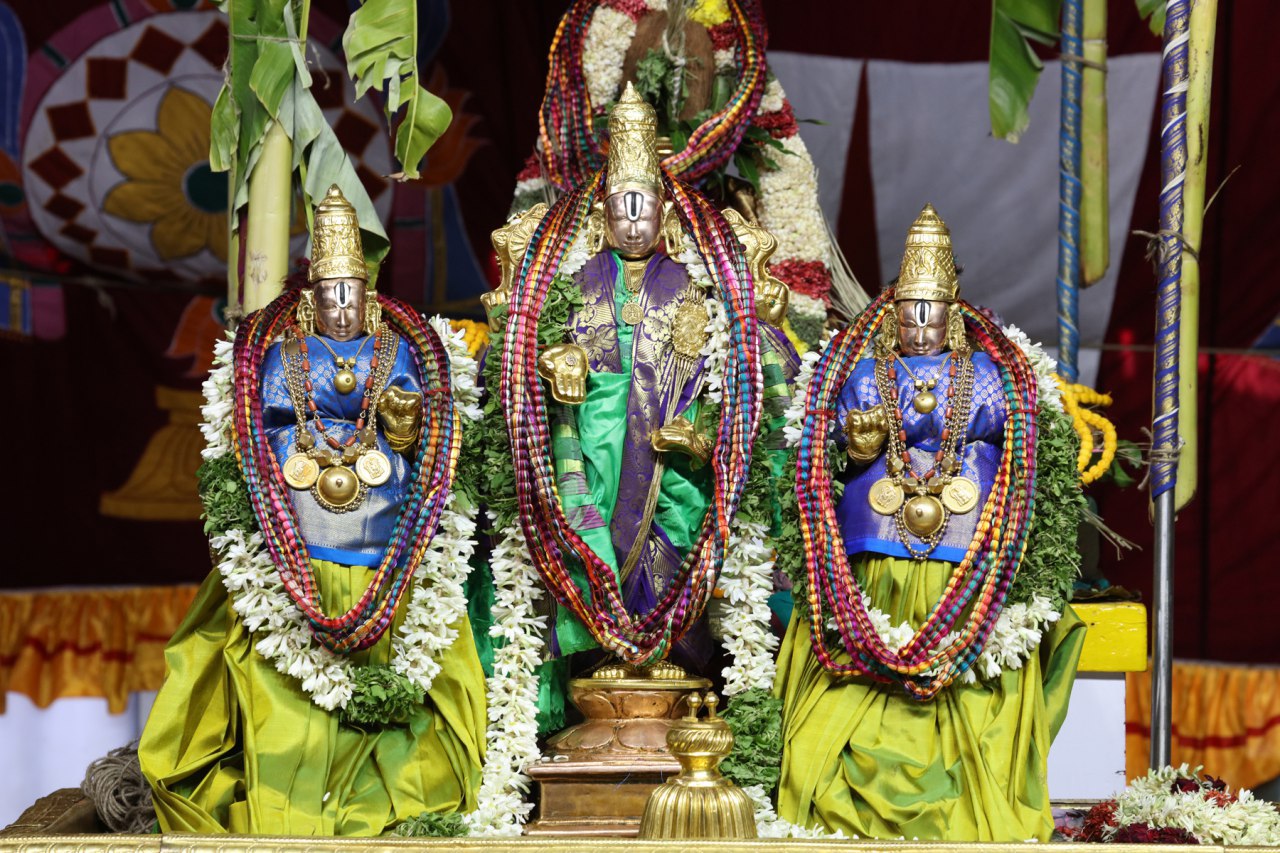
(1225,717)
(87,642)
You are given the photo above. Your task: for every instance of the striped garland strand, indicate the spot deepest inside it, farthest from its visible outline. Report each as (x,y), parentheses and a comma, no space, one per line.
(941,650)
(1173,170)
(553,543)
(1069,191)
(430,479)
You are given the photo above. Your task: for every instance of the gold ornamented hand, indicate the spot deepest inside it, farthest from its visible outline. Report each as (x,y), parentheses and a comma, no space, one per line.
(682,437)
(565,366)
(758,245)
(867,430)
(772,297)
(495,303)
(401,414)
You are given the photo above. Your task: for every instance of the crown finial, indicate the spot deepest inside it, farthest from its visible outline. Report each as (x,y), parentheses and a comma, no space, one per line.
(336,248)
(928,268)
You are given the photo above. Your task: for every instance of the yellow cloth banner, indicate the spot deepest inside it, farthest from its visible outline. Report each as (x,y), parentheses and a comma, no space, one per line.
(87,642)
(1225,717)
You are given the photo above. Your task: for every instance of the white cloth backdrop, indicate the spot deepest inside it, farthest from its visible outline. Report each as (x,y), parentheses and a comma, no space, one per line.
(43,750)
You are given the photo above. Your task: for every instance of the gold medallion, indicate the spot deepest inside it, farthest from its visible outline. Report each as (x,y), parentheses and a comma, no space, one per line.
(632,313)
(337,487)
(373,468)
(300,471)
(960,495)
(345,381)
(689,327)
(885,496)
(925,402)
(923,515)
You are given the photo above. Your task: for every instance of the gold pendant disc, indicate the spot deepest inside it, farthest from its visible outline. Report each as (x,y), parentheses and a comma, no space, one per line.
(923,515)
(885,496)
(925,402)
(338,486)
(301,471)
(960,495)
(632,313)
(373,468)
(345,381)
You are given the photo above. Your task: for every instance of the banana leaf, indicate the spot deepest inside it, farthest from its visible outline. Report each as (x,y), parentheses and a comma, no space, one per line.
(1153,12)
(381,45)
(1015,68)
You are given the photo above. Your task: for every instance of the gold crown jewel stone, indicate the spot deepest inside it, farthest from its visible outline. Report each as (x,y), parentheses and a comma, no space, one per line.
(960,495)
(336,248)
(923,515)
(928,269)
(301,471)
(373,468)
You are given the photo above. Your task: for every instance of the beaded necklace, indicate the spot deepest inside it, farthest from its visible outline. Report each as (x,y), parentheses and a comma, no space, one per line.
(428,487)
(980,582)
(552,541)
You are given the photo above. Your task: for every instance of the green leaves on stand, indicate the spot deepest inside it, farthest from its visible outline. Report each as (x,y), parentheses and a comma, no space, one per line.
(432,825)
(755,718)
(225,497)
(381,44)
(1015,68)
(380,697)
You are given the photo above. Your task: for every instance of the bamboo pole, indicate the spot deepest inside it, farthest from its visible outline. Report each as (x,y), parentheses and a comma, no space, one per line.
(1203,29)
(266,257)
(1095,243)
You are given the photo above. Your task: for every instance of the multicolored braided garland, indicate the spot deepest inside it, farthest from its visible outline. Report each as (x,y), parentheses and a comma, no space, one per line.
(430,479)
(571,150)
(943,648)
(639,638)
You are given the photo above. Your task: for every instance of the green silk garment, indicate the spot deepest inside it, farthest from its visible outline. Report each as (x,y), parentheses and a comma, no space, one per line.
(969,765)
(232,745)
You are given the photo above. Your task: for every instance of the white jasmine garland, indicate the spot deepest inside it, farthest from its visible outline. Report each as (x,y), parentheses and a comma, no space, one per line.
(773,99)
(746,579)
(603,50)
(436,601)
(1049,394)
(789,204)
(1151,800)
(769,825)
(726,59)
(511,737)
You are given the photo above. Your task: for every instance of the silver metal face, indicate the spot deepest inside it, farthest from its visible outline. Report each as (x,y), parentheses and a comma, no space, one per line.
(633,222)
(922,327)
(340,308)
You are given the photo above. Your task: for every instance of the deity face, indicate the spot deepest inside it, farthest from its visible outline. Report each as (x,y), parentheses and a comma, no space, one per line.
(340,308)
(633,222)
(922,326)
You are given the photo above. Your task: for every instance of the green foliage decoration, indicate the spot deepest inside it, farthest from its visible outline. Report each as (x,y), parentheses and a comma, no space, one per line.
(380,697)
(755,718)
(432,825)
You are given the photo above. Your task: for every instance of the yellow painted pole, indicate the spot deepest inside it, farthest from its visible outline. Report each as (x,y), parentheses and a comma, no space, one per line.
(1203,26)
(1095,242)
(266,256)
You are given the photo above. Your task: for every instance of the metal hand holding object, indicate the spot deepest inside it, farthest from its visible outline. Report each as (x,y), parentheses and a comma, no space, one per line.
(867,430)
(565,366)
(401,414)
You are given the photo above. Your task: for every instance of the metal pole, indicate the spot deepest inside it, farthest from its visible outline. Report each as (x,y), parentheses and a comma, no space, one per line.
(1162,651)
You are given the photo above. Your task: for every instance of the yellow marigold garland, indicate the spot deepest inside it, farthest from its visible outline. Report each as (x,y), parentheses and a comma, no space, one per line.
(477,334)
(1075,398)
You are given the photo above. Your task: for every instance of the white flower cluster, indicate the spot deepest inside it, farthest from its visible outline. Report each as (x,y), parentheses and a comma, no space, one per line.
(1151,800)
(575,257)
(1045,367)
(789,204)
(603,50)
(747,582)
(463,369)
(726,59)
(773,99)
(769,825)
(436,598)
(218,394)
(511,737)
(1015,637)
(808,306)
(715,352)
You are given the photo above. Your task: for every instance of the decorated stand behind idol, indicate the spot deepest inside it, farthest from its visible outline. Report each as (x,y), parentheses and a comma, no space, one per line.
(929,662)
(635,374)
(325,681)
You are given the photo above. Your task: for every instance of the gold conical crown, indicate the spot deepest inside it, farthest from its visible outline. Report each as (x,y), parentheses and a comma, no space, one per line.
(633,146)
(336,250)
(928,268)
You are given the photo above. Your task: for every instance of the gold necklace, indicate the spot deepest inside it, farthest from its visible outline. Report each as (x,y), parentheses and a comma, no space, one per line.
(924,401)
(633,279)
(345,379)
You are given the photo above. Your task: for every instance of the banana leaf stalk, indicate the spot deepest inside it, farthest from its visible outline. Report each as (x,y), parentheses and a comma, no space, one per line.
(1095,245)
(1173,161)
(1069,192)
(1203,25)
(266,256)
